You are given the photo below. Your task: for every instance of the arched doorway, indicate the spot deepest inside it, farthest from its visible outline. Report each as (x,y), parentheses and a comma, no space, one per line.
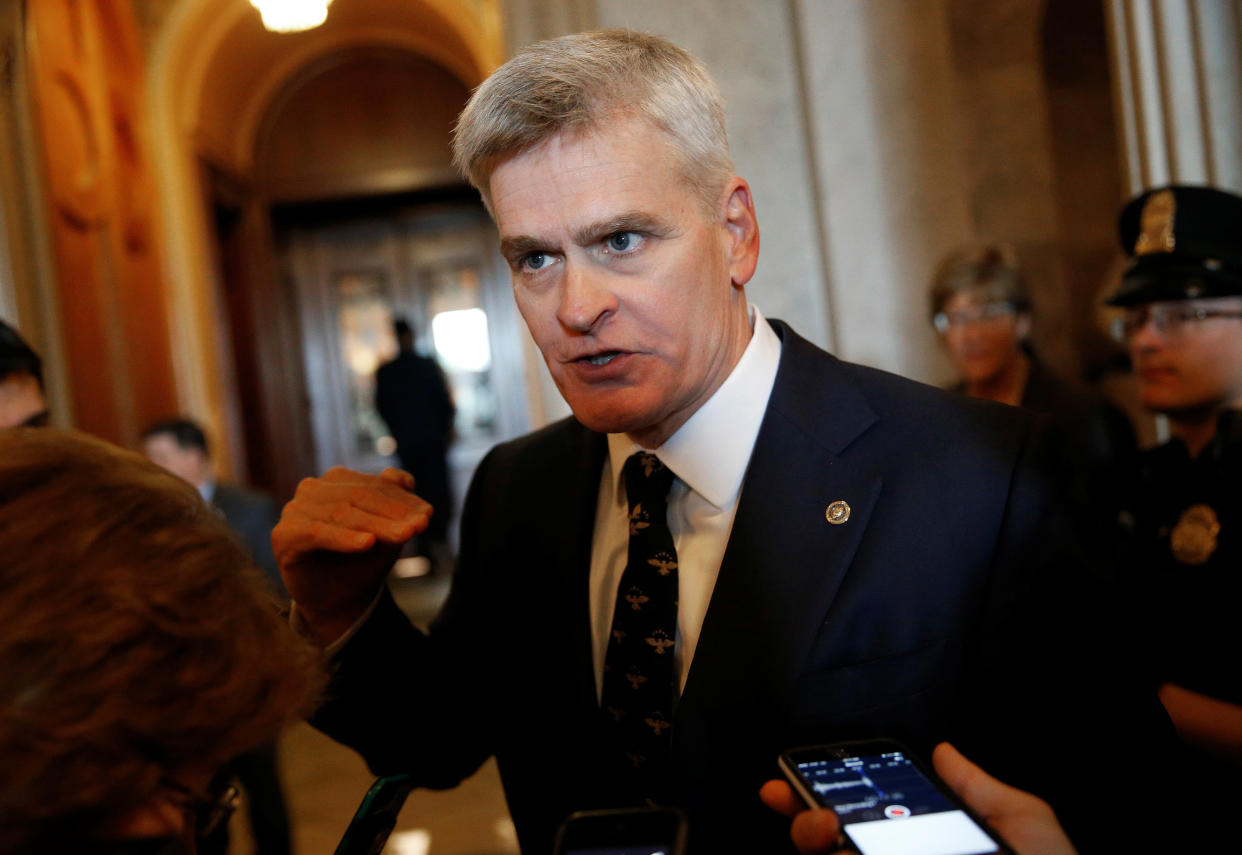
(217,78)
(292,216)
(370,222)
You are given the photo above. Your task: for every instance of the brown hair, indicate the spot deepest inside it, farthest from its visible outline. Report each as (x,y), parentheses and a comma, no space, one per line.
(577,82)
(136,636)
(991,270)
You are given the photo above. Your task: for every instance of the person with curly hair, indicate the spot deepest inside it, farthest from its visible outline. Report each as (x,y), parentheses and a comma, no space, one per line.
(129,624)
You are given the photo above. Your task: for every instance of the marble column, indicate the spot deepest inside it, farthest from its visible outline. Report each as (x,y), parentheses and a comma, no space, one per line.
(1178,88)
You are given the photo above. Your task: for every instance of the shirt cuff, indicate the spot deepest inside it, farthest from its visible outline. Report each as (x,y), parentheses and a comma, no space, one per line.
(300,625)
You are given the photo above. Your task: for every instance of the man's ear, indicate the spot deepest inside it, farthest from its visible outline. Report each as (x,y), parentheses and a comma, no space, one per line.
(743,231)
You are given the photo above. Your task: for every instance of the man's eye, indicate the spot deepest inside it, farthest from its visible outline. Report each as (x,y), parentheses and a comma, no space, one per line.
(536,261)
(623,241)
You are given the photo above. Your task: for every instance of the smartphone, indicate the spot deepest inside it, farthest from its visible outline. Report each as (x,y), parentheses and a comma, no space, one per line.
(633,831)
(888,803)
(376,816)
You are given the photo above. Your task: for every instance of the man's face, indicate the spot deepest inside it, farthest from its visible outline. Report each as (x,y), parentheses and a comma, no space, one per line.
(984,337)
(22,402)
(1194,365)
(188,464)
(632,292)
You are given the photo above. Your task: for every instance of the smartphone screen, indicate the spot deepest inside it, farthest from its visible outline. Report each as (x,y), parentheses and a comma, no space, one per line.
(886,804)
(637,831)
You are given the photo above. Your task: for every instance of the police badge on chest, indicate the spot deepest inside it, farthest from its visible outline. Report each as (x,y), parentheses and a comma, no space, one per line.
(1193,539)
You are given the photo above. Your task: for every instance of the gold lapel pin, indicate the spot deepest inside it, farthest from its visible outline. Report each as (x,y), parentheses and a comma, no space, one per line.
(838,512)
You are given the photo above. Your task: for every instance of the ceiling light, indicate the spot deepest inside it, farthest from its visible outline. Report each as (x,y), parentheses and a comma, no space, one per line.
(292,16)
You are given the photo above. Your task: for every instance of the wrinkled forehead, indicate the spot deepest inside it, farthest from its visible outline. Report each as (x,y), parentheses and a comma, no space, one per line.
(597,138)
(613,171)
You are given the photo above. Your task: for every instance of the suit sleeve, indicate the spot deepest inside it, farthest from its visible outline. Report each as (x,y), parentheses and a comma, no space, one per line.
(414,701)
(1056,705)
(266,517)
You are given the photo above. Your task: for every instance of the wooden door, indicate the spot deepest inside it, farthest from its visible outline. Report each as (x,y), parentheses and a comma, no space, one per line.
(437,266)
(87,82)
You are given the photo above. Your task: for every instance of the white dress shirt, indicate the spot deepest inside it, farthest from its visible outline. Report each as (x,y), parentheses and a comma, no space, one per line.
(709,455)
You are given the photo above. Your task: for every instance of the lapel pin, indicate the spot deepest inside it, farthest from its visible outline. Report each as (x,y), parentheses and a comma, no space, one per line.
(838,512)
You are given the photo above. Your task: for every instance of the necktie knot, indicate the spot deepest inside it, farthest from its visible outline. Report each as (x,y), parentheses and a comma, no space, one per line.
(647,481)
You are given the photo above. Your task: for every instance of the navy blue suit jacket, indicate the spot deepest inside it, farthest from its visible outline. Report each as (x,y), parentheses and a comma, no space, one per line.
(252,516)
(945,607)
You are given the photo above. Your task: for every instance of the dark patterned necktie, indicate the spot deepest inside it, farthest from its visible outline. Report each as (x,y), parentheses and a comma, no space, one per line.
(640,680)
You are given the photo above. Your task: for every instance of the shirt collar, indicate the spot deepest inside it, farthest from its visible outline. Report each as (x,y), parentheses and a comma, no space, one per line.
(711,450)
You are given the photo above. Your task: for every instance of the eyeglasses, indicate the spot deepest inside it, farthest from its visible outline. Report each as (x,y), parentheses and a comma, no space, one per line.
(987,313)
(208,810)
(1171,320)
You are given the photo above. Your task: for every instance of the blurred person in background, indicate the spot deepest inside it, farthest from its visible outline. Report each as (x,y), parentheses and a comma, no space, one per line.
(413,398)
(180,446)
(22,400)
(981,306)
(1181,512)
(124,686)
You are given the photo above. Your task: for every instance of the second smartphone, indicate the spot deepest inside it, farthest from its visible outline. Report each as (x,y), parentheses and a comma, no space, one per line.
(631,831)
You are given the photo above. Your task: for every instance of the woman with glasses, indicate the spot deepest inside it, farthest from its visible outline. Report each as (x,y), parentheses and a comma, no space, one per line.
(981,307)
(139,650)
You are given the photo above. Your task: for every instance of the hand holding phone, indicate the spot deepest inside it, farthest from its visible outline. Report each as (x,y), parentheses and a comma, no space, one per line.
(887,803)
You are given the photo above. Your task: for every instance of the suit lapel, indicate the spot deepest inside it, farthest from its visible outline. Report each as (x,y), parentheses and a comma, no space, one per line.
(785,561)
(569,547)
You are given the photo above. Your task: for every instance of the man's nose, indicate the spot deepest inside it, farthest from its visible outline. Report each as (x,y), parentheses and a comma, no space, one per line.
(972,331)
(1147,336)
(586,298)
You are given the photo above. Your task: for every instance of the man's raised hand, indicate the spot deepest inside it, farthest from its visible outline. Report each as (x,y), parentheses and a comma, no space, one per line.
(338,538)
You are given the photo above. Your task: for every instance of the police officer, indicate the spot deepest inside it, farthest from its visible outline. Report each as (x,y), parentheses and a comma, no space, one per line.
(1182,296)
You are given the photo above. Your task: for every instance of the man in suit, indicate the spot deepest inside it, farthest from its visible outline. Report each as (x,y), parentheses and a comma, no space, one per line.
(180,446)
(413,398)
(853,554)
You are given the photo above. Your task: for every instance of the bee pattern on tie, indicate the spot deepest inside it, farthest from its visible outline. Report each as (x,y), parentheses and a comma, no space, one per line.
(640,677)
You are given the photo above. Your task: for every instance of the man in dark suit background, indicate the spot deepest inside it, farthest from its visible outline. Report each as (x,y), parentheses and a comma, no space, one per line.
(856,554)
(414,401)
(180,446)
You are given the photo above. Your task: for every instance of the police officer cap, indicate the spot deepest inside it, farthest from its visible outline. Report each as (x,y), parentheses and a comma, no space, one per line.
(1184,242)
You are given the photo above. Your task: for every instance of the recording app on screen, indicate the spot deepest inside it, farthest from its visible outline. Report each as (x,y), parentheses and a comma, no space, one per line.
(887,807)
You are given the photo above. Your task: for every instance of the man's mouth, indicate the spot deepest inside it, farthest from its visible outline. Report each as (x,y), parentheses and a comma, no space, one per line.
(1153,372)
(601,358)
